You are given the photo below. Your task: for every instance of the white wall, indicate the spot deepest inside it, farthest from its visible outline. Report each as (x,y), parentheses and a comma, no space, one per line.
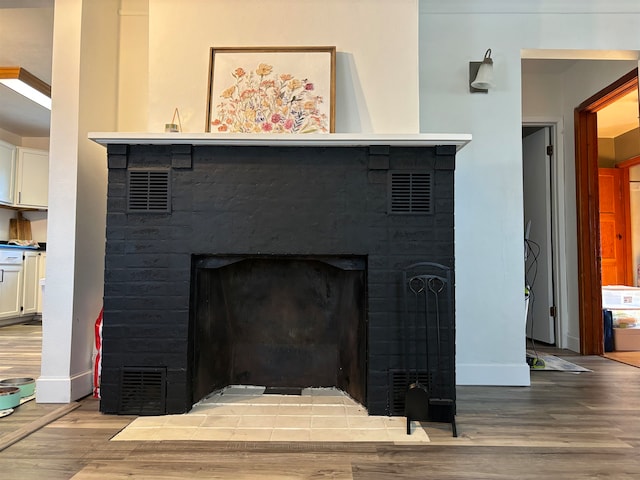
(376,41)
(12,138)
(84,87)
(133,78)
(489,224)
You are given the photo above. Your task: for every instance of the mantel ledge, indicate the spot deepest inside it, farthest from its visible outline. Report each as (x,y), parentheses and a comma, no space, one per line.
(283,140)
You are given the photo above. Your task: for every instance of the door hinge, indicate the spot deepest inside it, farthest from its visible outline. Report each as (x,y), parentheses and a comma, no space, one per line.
(550,150)
(552,311)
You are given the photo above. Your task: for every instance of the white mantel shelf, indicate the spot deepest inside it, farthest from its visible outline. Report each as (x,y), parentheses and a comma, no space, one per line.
(283,140)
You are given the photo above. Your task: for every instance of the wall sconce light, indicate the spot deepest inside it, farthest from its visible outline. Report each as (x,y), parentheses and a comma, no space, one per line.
(27,84)
(481,74)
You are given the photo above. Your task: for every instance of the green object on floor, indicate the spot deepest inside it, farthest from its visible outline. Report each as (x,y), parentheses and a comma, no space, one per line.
(537,363)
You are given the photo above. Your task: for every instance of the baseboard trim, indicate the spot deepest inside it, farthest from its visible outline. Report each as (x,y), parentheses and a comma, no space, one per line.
(573,343)
(64,389)
(505,375)
(5,322)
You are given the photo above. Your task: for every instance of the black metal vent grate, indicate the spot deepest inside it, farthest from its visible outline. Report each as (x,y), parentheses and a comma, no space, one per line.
(142,391)
(400,381)
(148,191)
(410,193)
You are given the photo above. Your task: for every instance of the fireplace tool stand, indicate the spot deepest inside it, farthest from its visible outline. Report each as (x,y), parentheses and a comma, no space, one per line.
(429,344)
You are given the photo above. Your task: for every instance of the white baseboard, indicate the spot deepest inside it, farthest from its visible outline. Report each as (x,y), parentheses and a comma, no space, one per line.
(5,322)
(64,389)
(573,343)
(510,375)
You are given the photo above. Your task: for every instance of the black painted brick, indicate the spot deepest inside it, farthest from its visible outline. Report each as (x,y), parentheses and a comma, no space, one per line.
(254,200)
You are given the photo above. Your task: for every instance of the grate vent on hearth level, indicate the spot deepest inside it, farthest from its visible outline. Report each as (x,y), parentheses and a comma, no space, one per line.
(400,381)
(142,391)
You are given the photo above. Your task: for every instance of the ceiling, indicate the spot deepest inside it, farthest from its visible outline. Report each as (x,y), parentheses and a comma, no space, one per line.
(613,120)
(26,32)
(619,117)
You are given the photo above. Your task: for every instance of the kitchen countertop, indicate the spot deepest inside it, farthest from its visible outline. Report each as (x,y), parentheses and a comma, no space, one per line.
(41,246)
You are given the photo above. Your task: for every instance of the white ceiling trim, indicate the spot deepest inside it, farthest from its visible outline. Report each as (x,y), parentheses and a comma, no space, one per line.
(566,54)
(26,3)
(497,7)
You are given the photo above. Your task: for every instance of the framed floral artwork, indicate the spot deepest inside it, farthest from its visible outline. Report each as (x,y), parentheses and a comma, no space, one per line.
(271,90)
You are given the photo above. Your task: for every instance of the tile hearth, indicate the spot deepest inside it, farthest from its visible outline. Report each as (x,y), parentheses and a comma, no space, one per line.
(245,413)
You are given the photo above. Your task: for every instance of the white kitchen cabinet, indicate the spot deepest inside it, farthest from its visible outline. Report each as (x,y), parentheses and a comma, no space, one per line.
(7,172)
(32,178)
(20,282)
(10,283)
(30,282)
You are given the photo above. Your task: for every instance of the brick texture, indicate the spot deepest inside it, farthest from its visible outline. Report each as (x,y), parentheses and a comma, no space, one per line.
(271,201)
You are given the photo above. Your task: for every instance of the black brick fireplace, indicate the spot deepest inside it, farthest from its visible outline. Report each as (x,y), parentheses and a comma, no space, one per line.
(277,264)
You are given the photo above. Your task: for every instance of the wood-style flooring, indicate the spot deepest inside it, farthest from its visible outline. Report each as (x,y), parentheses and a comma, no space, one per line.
(630,358)
(565,426)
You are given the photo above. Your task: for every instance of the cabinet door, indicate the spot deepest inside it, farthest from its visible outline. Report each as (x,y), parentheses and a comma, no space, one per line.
(32,178)
(7,172)
(10,289)
(30,283)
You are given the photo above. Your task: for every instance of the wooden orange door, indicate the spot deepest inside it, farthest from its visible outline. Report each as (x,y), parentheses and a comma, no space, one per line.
(613,186)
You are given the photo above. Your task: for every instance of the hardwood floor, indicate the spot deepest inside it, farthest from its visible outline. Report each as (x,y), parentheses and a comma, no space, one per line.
(630,358)
(20,353)
(565,426)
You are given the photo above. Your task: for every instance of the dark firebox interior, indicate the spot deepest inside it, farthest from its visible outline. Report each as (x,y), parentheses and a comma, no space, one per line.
(279,322)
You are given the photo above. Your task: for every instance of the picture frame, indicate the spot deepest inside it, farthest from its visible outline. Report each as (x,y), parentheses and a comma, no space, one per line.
(271,90)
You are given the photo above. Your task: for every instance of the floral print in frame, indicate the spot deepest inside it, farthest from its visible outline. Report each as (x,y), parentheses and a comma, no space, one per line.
(271,90)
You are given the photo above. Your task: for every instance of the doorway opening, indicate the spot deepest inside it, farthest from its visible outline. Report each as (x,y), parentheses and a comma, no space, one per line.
(537,155)
(545,238)
(588,211)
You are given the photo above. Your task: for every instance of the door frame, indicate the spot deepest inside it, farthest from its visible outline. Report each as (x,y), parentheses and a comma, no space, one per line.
(587,211)
(558,227)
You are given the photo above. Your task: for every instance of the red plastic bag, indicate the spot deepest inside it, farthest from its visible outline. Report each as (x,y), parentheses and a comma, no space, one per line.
(97,367)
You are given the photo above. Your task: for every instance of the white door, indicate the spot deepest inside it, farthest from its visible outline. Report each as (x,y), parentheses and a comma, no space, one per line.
(536,170)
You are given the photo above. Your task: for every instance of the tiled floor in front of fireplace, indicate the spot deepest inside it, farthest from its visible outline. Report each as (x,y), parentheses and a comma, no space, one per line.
(245,413)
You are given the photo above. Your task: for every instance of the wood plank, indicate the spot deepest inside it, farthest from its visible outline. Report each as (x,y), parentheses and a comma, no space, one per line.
(10,438)
(630,358)
(565,426)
